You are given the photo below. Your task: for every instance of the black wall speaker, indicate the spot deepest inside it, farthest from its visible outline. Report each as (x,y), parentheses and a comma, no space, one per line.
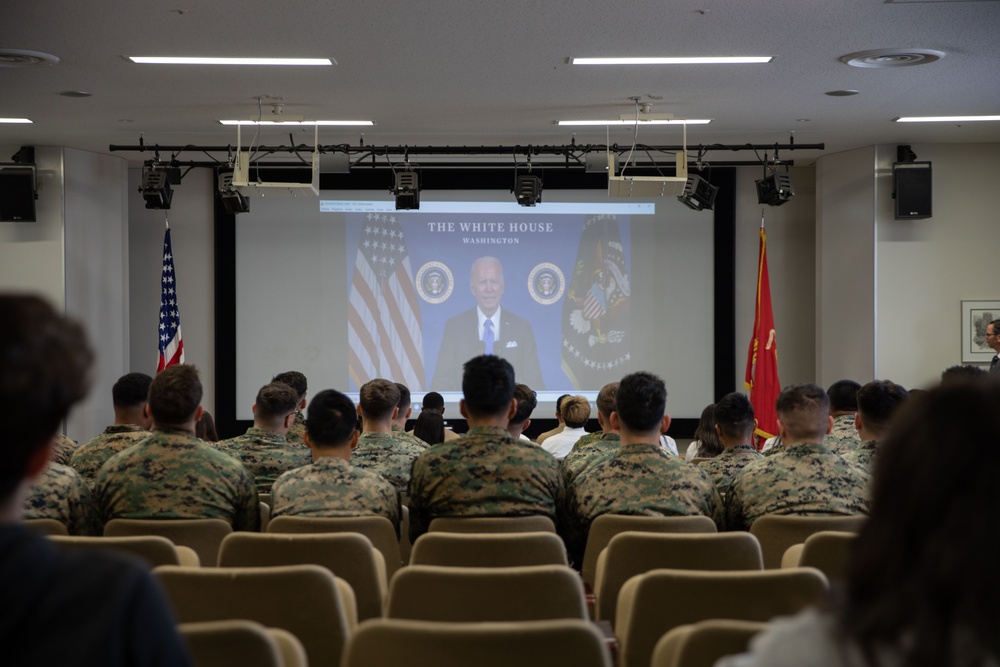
(17,194)
(911,185)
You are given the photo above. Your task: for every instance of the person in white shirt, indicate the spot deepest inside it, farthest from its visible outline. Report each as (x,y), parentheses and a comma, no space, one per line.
(575,412)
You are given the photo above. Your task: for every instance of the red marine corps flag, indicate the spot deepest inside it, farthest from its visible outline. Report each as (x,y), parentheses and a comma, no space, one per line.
(171,342)
(762,357)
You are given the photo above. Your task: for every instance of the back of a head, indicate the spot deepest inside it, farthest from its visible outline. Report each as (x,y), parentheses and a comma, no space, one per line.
(429,427)
(559,402)
(378,398)
(295,380)
(606,399)
(804,409)
(131,390)
(487,385)
(734,415)
(404,398)
(527,401)
(331,419)
(175,395)
(878,401)
(706,435)
(843,396)
(641,401)
(575,411)
(924,565)
(275,401)
(962,373)
(433,401)
(45,364)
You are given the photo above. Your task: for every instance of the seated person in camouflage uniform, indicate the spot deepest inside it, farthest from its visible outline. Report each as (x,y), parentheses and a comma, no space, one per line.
(331,486)
(596,449)
(172,474)
(734,424)
(640,478)
(300,384)
(804,477)
(64,449)
(263,449)
(404,412)
(60,607)
(527,401)
(380,449)
(132,422)
(877,403)
(487,472)
(60,493)
(843,437)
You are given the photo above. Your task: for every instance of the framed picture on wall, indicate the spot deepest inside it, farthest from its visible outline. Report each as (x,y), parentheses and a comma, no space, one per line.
(975,316)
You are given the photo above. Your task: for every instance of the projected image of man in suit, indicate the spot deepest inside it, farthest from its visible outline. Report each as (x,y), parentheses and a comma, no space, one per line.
(487,329)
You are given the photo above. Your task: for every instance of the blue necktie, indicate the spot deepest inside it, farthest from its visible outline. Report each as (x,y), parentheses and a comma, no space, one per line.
(488,338)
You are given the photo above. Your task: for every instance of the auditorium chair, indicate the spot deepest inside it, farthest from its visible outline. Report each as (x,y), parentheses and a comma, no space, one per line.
(241,643)
(828,551)
(702,644)
(155,550)
(377,529)
(489,549)
(47,526)
(530,523)
(202,535)
(778,532)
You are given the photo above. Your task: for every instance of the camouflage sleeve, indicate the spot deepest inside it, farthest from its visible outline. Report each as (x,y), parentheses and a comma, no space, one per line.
(84,518)
(717,509)
(734,515)
(419,516)
(396,509)
(247,516)
(573,527)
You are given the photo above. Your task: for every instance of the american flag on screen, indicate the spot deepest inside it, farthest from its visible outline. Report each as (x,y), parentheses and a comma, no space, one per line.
(171,342)
(383,322)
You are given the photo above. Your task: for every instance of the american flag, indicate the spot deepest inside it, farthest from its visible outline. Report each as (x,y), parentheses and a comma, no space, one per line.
(594,305)
(171,342)
(383,322)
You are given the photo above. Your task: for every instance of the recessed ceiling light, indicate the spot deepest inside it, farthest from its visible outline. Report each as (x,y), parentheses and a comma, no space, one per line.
(297,122)
(841,93)
(21,58)
(15,120)
(943,119)
(176,60)
(706,60)
(75,93)
(674,121)
(884,58)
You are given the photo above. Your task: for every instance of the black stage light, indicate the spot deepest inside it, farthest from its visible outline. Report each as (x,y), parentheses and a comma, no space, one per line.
(407,191)
(156,188)
(698,194)
(234,201)
(528,190)
(775,190)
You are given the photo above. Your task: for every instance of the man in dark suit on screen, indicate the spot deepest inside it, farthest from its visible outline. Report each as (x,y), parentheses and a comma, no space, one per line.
(487,329)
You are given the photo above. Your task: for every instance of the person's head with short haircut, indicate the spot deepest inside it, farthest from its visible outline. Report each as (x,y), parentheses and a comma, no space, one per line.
(175,396)
(843,396)
(433,402)
(487,386)
(734,416)
(131,390)
(45,362)
(641,401)
(275,402)
(878,402)
(606,398)
(331,420)
(404,406)
(295,380)
(993,335)
(804,411)
(378,399)
(961,373)
(527,401)
(575,411)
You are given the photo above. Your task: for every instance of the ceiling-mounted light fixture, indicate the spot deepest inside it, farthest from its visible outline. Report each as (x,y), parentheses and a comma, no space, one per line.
(696,60)
(156,186)
(776,189)
(698,194)
(406,188)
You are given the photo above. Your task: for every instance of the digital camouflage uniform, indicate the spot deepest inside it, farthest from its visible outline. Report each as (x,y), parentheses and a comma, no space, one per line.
(63,450)
(485,473)
(641,479)
(864,456)
(724,467)
(386,454)
(296,432)
(333,487)
(587,439)
(844,436)
(91,455)
(402,435)
(61,494)
(805,478)
(581,458)
(174,475)
(267,455)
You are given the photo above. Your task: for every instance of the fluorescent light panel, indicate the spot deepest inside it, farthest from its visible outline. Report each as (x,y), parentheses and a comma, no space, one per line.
(944,119)
(177,60)
(674,121)
(15,120)
(297,122)
(707,60)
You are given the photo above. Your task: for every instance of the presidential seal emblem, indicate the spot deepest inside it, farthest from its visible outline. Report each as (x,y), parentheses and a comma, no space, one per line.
(546,283)
(435,282)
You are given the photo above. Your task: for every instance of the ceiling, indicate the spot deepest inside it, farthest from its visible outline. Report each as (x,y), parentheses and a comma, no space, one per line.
(470,72)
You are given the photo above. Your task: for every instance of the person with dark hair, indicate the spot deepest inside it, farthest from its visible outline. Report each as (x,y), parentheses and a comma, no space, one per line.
(993,340)
(594,450)
(706,441)
(575,413)
(921,588)
(380,449)
(172,474)
(734,427)
(559,422)
(204,429)
(429,427)
(640,478)
(843,437)
(487,472)
(434,402)
(330,486)
(263,449)
(399,421)
(878,401)
(132,422)
(804,477)
(527,401)
(962,373)
(61,607)
(298,382)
